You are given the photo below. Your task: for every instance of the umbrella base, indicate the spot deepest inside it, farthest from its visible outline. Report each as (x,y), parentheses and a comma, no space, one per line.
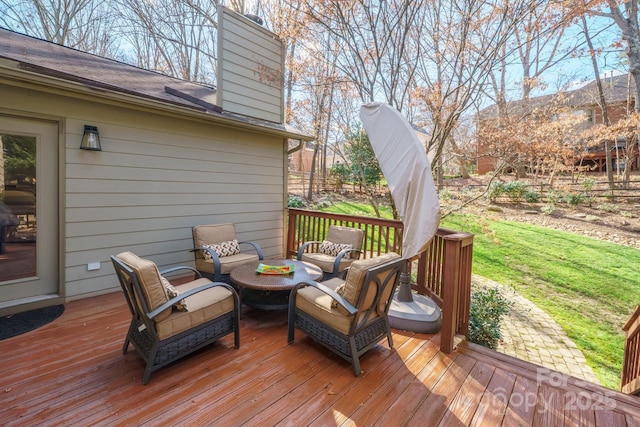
(421,315)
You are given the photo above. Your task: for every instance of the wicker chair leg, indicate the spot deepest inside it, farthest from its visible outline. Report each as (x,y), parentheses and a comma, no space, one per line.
(236,320)
(355,359)
(292,329)
(125,347)
(147,373)
(291,317)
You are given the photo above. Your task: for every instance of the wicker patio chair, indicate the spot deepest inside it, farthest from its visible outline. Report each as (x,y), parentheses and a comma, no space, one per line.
(335,254)
(349,316)
(217,251)
(170,322)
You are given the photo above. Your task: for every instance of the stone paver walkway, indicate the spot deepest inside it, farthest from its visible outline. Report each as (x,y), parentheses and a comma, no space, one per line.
(528,333)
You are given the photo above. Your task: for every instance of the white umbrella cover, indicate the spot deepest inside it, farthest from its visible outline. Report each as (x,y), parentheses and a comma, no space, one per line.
(405,165)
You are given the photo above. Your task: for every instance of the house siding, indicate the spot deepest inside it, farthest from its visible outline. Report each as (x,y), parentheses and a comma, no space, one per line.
(155,178)
(250,68)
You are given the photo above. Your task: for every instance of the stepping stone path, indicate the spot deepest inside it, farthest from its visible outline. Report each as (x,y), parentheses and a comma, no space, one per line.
(528,333)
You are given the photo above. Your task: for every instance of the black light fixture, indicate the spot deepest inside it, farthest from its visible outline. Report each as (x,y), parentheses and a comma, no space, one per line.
(90,139)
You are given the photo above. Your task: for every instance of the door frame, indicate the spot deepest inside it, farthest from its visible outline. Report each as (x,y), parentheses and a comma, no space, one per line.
(31,303)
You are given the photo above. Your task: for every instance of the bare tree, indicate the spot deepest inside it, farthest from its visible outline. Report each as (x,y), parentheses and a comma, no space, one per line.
(625,15)
(374,38)
(81,24)
(174,38)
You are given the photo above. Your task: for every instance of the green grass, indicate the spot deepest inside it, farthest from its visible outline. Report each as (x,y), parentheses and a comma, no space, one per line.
(360,209)
(588,286)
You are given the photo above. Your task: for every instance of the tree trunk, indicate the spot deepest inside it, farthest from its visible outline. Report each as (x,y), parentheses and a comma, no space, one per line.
(312,171)
(601,101)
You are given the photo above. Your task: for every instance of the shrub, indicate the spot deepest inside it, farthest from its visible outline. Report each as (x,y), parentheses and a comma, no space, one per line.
(488,305)
(588,185)
(554,197)
(516,190)
(531,197)
(548,209)
(295,202)
(608,207)
(496,189)
(574,199)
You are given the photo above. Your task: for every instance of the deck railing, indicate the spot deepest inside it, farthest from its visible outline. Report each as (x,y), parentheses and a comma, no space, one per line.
(443,270)
(631,364)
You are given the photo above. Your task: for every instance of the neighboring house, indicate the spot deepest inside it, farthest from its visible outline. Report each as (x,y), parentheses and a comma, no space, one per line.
(174,155)
(582,100)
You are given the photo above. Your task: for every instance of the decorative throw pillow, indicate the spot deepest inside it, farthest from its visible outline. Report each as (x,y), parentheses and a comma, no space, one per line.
(339,291)
(228,248)
(172,292)
(333,249)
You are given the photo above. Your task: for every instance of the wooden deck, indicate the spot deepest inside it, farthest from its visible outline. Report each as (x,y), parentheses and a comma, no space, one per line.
(72,372)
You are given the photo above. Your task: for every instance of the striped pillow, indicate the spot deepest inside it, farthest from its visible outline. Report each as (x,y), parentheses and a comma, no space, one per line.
(228,248)
(333,249)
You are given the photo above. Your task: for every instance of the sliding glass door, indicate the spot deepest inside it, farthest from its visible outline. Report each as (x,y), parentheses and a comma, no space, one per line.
(28,210)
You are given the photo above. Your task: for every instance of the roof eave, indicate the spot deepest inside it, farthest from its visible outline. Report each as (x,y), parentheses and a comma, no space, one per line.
(10,71)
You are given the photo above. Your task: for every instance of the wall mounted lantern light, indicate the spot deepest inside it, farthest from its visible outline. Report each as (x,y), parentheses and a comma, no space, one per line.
(90,139)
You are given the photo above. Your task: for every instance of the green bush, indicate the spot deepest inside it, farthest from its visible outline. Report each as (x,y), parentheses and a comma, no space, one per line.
(295,202)
(487,308)
(516,190)
(531,197)
(574,199)
(548,209)
(496,189)
(554,197)
(608,207)
(588,185)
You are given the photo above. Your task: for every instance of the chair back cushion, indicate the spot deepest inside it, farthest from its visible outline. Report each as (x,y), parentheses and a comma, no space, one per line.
(357,272)
(150,281)
(215,233)
(345,235)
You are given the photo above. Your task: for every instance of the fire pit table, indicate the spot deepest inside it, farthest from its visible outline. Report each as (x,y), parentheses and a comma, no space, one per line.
(266,288)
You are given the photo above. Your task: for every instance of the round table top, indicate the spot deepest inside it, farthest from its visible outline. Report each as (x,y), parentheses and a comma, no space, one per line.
(246,275)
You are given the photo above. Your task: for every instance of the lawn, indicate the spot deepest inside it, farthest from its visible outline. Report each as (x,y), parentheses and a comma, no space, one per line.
(588,286)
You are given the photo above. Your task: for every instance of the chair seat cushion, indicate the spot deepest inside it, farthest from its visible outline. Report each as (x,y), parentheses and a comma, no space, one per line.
(227,263)
(203,306)
(319,305)
(325,262)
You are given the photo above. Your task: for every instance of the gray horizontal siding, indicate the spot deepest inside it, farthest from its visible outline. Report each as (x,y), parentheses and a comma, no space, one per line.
(147,188)
(246,54)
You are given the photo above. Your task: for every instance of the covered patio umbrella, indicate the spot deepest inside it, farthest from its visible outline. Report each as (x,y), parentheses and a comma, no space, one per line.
(405,165)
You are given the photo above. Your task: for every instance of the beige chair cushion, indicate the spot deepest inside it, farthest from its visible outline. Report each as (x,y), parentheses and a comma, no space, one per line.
(203,306)
(355,276)
(215,233)
(227,263)
(325,262)
(346,235)
(319,305)
(150,280)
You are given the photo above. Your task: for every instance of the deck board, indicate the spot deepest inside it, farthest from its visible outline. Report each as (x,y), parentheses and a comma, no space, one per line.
(72,372)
